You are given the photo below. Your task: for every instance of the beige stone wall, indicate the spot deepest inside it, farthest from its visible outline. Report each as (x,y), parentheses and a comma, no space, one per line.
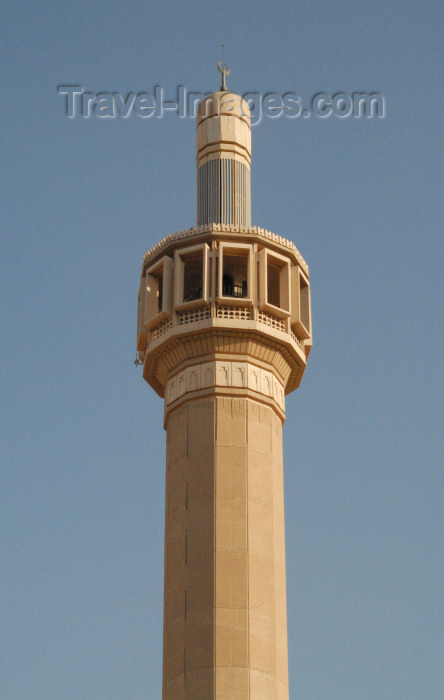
(225,632)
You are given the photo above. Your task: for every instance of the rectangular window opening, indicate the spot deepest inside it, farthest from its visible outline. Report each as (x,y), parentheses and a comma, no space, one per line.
(273,284)
(235,273)
(193,277)
(159,290)
(235,276)
(305,303)
(160,293)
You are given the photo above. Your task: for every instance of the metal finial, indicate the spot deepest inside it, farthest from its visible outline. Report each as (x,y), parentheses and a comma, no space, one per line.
(224,69)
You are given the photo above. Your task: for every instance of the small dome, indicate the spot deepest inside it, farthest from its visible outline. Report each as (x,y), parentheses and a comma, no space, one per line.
(223,102)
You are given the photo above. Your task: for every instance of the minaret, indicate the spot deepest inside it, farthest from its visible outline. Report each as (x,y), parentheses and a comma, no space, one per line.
(224,332)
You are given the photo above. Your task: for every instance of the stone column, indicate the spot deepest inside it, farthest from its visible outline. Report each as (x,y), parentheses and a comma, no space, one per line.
(225,632)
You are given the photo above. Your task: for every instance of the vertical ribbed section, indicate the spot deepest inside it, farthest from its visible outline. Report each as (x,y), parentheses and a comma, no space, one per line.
(202,194)
(247,201)
(226,191)
(237,192)
(213,191)
(223,191)
(223,195)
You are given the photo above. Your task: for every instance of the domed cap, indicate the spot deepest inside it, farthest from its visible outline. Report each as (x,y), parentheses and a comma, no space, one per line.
(223,128)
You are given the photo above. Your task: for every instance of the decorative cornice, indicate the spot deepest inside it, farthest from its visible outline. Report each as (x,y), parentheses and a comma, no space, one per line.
(226,374)
(209,344)
(220,228)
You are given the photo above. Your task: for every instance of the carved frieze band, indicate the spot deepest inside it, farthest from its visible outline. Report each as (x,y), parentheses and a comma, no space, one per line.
(224,373)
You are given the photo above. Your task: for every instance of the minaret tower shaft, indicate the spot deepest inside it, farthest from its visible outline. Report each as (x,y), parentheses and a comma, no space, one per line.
(223,155)
(224,332)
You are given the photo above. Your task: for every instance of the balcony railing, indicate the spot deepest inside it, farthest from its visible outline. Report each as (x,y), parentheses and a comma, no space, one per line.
(238,291)
(195,294)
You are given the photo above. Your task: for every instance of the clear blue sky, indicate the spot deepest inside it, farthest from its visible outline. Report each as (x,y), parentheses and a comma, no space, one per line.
(82,444)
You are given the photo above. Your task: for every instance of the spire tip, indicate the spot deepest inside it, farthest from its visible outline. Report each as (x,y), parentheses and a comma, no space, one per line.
(224,70)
